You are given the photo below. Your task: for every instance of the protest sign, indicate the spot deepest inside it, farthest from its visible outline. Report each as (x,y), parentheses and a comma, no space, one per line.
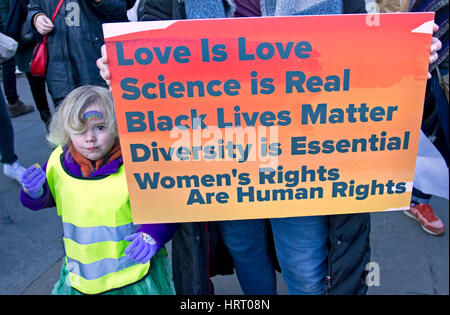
(240,118)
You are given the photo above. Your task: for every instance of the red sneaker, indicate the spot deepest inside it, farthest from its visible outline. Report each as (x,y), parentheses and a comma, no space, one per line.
(423,213)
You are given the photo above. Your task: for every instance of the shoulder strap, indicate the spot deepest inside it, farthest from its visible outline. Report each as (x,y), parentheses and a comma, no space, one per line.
(57,9)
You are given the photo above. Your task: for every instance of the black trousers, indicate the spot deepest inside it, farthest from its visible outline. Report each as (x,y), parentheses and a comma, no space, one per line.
(37,86)
(9,80)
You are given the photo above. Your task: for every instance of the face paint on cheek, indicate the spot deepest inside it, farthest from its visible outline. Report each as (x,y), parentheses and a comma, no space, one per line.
(92,115)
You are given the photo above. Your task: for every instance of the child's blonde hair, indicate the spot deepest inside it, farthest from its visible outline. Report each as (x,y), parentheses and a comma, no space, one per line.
(68,119)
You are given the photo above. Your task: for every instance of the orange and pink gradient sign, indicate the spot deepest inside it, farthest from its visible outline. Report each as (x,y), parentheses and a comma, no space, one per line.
(243,118)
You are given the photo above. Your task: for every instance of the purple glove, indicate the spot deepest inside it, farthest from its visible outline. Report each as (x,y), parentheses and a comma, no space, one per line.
(32,181)
(142,247)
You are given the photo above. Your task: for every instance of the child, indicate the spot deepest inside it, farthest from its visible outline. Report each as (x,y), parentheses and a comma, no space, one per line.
(84,177)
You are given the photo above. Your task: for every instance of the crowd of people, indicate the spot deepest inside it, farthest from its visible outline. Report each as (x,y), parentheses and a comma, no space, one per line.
(104,251)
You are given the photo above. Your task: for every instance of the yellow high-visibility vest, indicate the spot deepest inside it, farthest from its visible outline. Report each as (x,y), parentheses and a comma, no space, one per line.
(96,218)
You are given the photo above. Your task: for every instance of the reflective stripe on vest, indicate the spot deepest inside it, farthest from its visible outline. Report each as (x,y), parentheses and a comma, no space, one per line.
(88,235)
(96,218)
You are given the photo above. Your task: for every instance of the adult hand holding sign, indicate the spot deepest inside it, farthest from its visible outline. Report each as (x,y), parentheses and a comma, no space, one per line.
(102,65)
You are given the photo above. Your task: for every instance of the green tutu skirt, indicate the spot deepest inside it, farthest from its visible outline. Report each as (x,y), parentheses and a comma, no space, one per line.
(158,280)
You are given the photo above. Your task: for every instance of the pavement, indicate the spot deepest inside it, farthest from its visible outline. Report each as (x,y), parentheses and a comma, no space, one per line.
(405,260)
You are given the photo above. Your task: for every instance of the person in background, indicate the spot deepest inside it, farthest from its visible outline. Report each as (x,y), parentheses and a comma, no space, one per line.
(435,120)
(18,29)
(74,39)
(9,159)
(15,105)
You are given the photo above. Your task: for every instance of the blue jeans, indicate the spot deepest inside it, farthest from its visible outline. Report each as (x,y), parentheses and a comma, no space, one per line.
(6,134)
(246,241)
(301,245)
(302,252)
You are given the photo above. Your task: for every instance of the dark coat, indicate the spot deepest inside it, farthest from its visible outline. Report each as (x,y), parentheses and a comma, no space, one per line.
(73,50)
(17,17)
(197,247)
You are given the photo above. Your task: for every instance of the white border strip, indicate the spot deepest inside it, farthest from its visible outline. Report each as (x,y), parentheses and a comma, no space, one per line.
(395,209)
(409,187)
(117,29)
(425,28)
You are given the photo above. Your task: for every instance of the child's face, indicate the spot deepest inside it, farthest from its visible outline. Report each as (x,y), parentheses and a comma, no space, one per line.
(96,141)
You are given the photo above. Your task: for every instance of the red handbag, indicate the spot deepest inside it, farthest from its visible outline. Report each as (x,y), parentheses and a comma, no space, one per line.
(39,59)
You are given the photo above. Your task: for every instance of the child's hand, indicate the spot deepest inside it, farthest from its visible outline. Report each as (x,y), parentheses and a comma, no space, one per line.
(32,181)
(142,247)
